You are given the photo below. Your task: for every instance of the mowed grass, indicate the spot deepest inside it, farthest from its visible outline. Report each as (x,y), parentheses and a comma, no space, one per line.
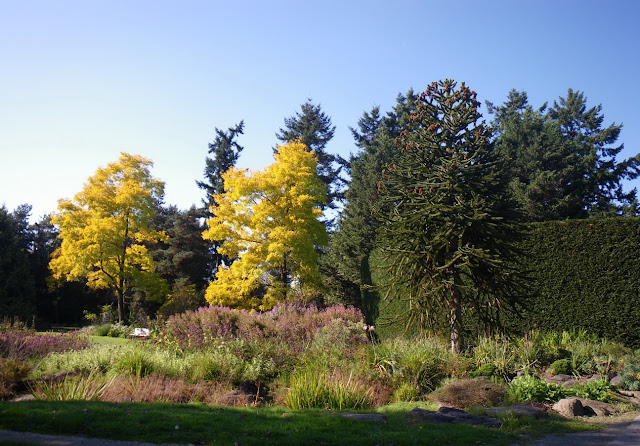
(277,425)
(108,340)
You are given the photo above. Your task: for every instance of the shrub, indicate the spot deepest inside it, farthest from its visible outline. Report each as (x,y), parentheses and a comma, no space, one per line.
(630,375)
(156,388)
(286,330)
(498,352)
(101,329)
(12,372)
(484,370)
(561,367)
(531,388)
(468,393)
(24,344)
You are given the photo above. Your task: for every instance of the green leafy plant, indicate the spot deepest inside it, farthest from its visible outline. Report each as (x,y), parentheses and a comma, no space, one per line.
(530,388)
(599,390)
(484,370)
(82,387)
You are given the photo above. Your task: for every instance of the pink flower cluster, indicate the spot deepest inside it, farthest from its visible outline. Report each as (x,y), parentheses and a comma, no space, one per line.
(25,344)
(284,331)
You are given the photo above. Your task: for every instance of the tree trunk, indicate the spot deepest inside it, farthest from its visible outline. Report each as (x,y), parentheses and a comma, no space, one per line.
(120,299)
(455,320)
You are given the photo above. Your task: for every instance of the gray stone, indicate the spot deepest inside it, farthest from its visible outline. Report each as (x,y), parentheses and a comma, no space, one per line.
(448,415)
(518,410)
(569,407)
(577,407)
(365,416)
(559,378)
(631,393)
(598,408)
(616,380)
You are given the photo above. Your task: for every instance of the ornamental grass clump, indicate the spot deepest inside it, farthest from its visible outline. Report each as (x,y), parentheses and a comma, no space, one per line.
(413,368)
(86,387)
(317,388)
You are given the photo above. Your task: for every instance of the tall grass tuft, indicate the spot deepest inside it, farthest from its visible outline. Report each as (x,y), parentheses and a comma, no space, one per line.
(82,387)
(316,388)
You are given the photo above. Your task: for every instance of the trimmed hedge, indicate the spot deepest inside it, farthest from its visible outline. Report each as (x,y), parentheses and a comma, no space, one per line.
(585,275)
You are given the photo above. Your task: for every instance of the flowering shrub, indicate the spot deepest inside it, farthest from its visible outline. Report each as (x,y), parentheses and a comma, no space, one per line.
(279,334)
(24,344)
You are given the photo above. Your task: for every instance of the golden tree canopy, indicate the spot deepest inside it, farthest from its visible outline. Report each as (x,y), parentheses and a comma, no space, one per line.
(268,221)
(104,227)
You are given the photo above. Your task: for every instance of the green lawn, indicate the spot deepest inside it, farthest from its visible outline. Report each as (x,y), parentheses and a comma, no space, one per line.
(206,425)
(108,340)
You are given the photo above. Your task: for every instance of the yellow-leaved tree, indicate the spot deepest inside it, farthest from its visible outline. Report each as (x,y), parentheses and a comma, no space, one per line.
(269,223)
(104,228)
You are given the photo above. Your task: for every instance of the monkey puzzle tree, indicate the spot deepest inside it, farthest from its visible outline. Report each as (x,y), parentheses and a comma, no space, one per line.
(447,220)
(104,228)
(269,222)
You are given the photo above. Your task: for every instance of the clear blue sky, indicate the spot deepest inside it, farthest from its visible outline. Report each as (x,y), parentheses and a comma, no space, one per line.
(81,81)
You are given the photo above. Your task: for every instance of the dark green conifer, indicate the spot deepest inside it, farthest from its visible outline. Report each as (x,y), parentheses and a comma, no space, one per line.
(448,223)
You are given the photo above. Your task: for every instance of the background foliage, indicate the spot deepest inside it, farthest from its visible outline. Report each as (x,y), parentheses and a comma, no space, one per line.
(585,274)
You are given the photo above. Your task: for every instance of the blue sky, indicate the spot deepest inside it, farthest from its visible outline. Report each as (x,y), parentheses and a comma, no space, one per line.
(82,81)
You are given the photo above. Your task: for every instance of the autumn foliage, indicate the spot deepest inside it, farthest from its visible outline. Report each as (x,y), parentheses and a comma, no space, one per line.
(269,223)
(104,228)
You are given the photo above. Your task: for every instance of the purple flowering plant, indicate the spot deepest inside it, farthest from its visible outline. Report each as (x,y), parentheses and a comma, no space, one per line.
(281,334)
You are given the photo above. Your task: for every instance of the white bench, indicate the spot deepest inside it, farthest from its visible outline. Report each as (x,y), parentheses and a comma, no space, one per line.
(141,333)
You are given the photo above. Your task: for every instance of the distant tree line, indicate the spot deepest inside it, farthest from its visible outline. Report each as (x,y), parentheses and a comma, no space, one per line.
(431,158)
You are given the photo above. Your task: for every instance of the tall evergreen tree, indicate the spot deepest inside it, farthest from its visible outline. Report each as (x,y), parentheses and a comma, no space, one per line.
(17,292)
(313,128)
(185,255)
(225,150)
(560,165)
(601,172)
(541,164)
(447,218)
(346,266)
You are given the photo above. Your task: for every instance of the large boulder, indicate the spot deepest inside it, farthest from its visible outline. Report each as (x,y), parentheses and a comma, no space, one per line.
(577,407)
(569,407)
(448,415)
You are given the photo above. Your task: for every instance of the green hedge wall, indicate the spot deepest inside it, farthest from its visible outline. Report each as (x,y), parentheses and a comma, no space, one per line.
(585,275)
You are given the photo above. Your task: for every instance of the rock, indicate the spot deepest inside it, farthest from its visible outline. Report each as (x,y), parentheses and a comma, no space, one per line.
(577,407)
(448,415)
(365,416)
(518,410)
(559,378)
(616,380)
(631,393)
(569,407)
(598,407)
(595,377)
